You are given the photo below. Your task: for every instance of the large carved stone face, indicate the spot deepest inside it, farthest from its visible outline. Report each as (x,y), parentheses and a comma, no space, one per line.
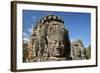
(56,39)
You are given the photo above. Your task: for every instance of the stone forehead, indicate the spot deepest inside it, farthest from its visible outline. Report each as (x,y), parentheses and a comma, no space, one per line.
(50,18)
(56,37)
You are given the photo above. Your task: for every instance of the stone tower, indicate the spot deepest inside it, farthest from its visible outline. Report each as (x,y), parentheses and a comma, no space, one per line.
(77,50)
(49,41)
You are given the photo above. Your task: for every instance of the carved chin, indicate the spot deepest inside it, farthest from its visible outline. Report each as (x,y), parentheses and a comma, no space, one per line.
(57,53)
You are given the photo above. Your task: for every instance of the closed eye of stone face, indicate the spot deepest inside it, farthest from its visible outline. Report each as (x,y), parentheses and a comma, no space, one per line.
(54,24)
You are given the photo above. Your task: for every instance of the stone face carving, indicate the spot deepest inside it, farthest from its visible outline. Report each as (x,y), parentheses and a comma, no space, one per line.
(50,42)
(77,50)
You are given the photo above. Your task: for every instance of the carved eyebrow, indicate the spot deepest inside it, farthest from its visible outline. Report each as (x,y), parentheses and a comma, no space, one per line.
(54,24)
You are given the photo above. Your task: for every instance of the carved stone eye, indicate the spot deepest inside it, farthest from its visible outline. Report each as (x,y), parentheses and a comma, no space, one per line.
(54,24)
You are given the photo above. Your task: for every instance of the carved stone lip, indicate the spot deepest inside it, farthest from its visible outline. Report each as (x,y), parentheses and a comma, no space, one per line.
(57,53)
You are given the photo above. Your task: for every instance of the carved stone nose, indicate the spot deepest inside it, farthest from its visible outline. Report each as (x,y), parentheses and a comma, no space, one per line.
(57,45)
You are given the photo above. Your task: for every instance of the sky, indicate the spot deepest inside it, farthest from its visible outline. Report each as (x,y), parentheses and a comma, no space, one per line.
(78,24)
